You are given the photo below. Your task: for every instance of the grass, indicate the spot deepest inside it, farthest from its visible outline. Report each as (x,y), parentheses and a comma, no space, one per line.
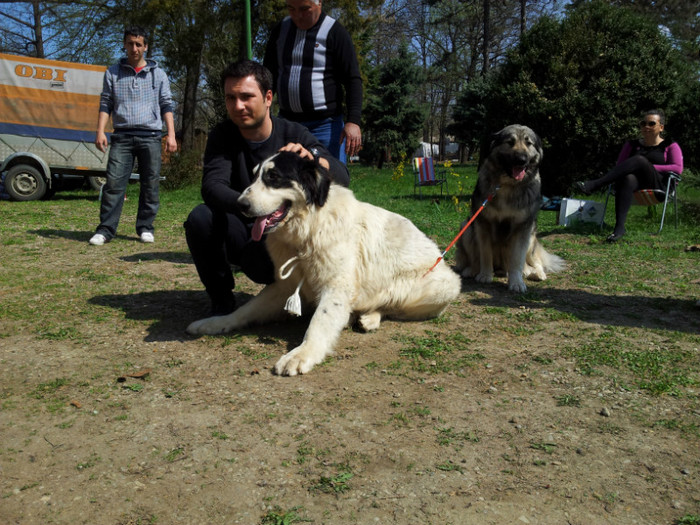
(278,516)
(335,484)
(657,370)
(73,215)
(434,353)
(619,319)
(688,519)
(653,267)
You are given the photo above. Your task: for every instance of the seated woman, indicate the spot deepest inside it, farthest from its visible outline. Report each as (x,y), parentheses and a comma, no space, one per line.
(642,164)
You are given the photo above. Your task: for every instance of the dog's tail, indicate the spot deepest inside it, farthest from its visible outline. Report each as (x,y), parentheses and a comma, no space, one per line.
(550,263)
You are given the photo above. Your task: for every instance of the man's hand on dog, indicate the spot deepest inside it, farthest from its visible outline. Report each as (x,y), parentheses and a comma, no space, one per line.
(304,153)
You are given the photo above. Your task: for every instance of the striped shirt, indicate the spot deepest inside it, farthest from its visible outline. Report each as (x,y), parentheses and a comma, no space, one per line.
(313,69)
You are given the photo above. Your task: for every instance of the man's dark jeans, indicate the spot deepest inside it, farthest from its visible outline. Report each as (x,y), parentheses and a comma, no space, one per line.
(123,150)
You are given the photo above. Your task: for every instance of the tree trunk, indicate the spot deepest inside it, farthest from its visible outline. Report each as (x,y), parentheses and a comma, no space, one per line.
(189,102)
(463,153)
(38,30)
(487,36)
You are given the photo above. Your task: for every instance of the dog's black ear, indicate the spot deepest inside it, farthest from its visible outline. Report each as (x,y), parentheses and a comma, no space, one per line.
(323,184)
(538,144)
(497,138)
(316,181)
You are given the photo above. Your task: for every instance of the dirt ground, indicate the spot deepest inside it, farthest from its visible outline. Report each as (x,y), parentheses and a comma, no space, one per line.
(110,414)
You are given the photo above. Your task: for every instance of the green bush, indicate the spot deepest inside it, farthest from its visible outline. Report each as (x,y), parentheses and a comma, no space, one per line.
(183,169)
(581,83)
(686,125)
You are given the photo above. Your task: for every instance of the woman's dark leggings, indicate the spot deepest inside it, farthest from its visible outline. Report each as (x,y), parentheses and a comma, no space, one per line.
(629,176)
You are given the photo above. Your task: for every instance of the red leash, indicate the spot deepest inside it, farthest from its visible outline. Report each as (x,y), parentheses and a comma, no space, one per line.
(461,232)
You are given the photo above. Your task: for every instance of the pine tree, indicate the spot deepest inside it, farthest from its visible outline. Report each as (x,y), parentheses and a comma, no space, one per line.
(393,115)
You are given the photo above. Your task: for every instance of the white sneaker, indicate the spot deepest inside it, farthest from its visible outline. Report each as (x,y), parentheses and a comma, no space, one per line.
(98,239)
(147,237)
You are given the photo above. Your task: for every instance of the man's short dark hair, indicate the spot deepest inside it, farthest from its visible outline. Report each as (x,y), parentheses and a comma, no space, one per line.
(136,31)
(248,68)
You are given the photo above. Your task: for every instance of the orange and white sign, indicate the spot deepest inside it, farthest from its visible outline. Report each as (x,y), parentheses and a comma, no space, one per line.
(49,98)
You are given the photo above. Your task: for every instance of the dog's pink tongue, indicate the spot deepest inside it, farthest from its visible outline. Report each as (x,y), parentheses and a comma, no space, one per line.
(518,173)
(258,228)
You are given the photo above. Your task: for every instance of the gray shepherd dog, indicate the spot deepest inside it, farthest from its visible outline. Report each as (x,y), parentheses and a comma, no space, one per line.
(503,236)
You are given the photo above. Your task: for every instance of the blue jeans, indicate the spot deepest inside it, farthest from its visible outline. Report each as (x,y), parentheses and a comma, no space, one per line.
(123,150)
(328,132)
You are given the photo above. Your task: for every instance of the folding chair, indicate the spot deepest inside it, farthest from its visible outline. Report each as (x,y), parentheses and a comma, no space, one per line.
(653,197)
(424,175)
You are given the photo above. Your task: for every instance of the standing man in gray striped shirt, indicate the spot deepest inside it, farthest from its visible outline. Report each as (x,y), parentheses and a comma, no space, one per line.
(317,77)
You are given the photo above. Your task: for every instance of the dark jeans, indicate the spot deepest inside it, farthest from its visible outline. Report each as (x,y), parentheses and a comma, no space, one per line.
(218,240)
(123,150)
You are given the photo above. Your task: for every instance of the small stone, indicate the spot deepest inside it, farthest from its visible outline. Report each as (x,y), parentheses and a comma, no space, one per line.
(685,471)
(605,412)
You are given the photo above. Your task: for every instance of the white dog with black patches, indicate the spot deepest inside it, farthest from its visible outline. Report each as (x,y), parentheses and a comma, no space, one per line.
(349,259)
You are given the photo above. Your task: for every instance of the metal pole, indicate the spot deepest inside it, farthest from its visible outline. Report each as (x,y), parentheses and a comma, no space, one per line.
(248,32)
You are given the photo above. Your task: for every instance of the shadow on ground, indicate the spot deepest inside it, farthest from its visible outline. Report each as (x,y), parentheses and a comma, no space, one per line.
(170,311)
(657,313)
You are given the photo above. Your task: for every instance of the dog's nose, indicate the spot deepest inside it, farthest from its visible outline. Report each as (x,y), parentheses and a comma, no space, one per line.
(243,203)
(520,159)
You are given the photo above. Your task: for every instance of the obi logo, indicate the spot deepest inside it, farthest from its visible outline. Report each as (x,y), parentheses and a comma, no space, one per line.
(40,73)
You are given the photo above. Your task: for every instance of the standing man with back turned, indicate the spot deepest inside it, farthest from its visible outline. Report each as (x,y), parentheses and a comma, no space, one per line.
(313,62)
(136,93)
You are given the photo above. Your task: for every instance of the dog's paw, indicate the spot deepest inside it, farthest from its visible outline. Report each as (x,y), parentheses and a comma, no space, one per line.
(535,274)
(517,285)
(484,277)
(299,361)
(467,272)
(370,321)
(210,326)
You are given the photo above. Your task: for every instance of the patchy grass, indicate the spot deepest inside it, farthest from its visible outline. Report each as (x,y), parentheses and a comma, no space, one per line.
(277,516)
(657,369)
(432,422)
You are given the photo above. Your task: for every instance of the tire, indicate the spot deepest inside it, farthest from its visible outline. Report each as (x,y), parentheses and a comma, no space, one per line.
(25,183)
(96,183)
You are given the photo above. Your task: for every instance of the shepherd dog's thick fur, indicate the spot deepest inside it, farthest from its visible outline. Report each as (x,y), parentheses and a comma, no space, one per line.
(502,237)
(354,261)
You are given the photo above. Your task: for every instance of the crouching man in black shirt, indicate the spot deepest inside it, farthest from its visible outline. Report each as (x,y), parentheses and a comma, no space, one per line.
(218,234)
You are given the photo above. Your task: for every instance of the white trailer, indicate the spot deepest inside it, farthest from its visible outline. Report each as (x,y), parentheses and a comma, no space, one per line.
(48,118)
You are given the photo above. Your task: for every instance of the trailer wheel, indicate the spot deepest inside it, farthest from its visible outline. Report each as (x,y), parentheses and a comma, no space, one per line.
(96,183)
(25,183)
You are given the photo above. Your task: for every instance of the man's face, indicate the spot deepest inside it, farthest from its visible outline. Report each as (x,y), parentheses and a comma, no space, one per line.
(304,13)
(246,105)
(135,49)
